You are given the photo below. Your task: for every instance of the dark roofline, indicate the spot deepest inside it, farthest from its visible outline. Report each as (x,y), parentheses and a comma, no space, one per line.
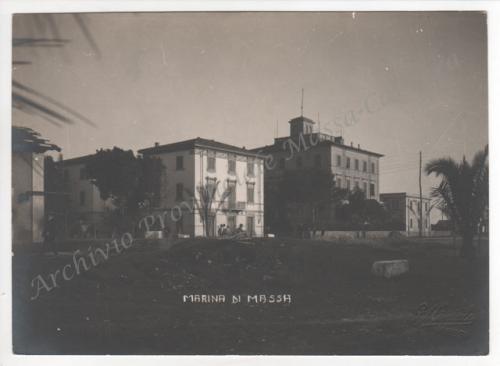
(200,143)
(76,160)
(274,148)
(302,118)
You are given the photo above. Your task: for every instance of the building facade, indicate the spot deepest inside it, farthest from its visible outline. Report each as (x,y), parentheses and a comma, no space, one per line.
(28,186)
(28,197)
(194,167)
(305,150)
(84,208)
(405,209)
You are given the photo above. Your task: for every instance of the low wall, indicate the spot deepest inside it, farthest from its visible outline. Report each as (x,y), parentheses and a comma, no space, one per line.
(441,233)
(379,234)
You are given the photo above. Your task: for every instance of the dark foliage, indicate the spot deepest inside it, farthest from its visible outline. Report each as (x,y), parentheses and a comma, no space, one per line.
(316,191)
(25,139)
(33,102)
(131,182)
(359,213)
(463,194)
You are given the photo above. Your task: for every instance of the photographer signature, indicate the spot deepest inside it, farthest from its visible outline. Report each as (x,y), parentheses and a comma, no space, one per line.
(440,316)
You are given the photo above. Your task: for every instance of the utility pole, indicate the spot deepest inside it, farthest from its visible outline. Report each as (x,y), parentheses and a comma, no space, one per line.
(319,125)
(420,193)
(302,104)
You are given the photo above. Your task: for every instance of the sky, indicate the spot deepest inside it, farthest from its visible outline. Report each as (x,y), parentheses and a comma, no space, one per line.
(394,82)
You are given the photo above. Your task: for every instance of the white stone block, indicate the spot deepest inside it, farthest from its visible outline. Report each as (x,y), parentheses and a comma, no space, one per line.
(391,268)
(153,235)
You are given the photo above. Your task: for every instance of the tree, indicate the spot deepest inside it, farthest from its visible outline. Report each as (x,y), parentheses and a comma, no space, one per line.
(129,181)
(25,139)
(207,193)
(357,212)
(313,189)
(462,194)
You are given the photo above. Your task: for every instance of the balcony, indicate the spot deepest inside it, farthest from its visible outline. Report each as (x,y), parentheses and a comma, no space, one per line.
(234,206)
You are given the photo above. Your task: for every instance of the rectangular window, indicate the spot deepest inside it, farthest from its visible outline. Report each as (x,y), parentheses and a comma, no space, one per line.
(211,163)
(411,223)
(365,188)
(356,164)
(348,184)
(250,192)
(211,187)
(356,184)
(373,168)
(82,198)
(179,192)
(179,163)
(250,168)
(317,161)
(364,166)
(372,190)
(231,186)
(232,165)
(348,163)
(339,160)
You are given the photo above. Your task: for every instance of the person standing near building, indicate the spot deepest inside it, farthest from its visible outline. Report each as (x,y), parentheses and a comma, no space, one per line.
(220,230)
(49,235)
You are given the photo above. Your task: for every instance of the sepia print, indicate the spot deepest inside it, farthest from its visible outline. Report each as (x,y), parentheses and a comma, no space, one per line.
(250,183)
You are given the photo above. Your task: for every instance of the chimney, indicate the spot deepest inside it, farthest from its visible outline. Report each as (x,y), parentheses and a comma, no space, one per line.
(358,147)
(157,144)
(351,144)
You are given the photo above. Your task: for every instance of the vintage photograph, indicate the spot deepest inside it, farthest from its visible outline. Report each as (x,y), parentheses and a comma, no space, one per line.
(250,183)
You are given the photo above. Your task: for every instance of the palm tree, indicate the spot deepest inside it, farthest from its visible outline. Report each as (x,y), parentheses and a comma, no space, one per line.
(462,194)
(34,102)
(207,197)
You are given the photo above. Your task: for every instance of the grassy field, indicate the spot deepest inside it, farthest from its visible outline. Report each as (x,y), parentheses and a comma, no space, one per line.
(132,302)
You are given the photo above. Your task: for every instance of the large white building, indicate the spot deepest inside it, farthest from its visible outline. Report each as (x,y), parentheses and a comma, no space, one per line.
(200,163)
(306,150)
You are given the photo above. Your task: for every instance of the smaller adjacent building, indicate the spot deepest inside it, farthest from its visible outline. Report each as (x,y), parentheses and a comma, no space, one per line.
(28,185)
(83,202)
(405,209)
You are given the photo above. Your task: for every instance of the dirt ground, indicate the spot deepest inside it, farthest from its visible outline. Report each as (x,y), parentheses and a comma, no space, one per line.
(132,303)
